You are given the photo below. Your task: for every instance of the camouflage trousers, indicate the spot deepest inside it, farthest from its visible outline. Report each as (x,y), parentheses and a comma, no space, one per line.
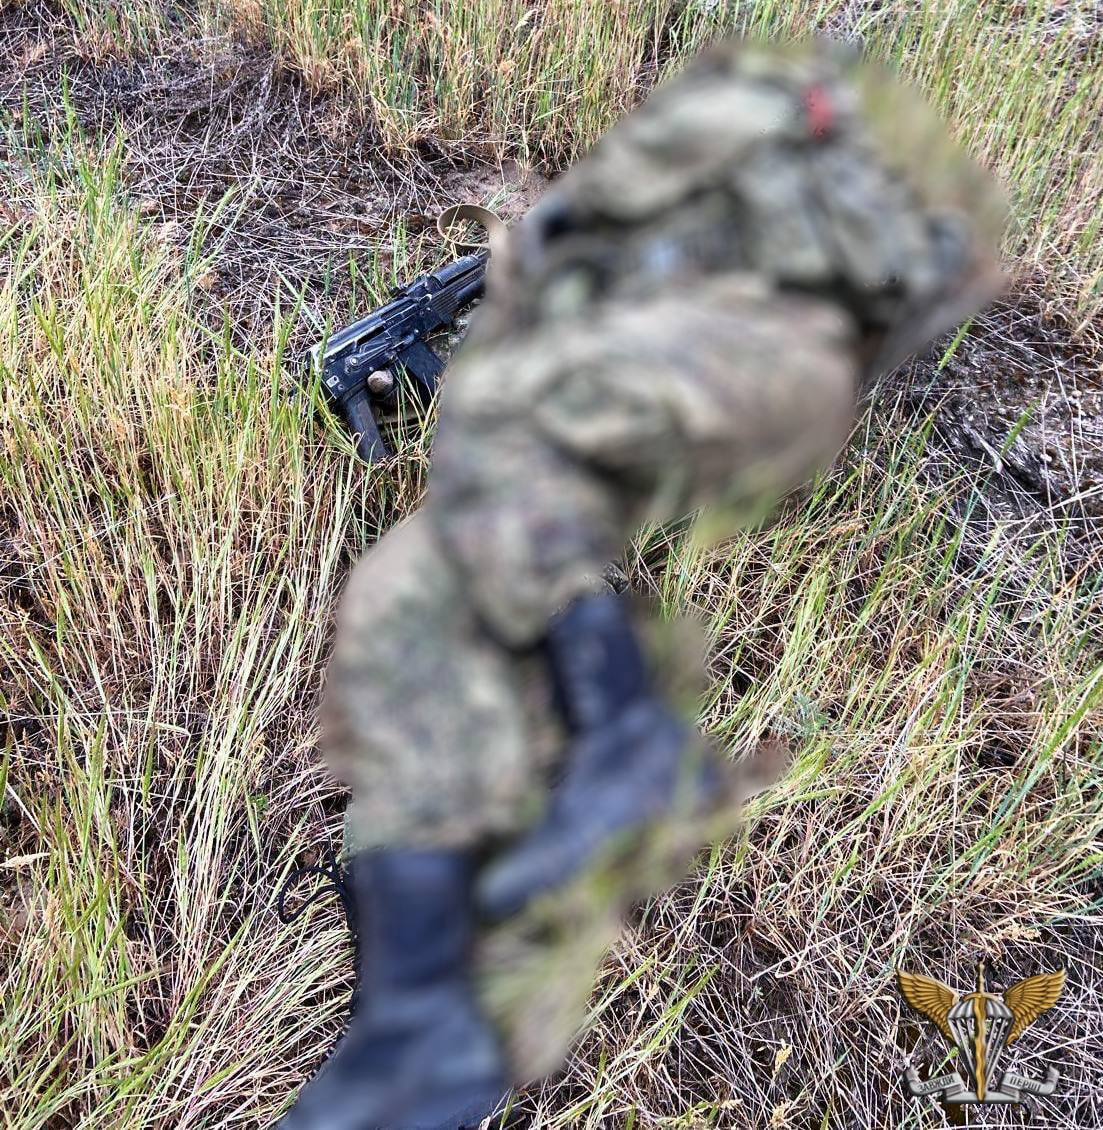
(552,450)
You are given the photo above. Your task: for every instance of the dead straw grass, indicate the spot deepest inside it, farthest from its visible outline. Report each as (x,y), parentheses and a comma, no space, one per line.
(174,530)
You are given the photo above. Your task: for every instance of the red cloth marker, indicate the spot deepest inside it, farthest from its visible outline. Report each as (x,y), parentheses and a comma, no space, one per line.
(820,111)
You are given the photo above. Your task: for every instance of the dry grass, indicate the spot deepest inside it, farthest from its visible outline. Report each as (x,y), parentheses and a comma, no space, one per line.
(1020,81)
(173,531)
(943,807)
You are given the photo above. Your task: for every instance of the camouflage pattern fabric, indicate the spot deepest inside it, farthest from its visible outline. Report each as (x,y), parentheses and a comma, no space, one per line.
(684,320)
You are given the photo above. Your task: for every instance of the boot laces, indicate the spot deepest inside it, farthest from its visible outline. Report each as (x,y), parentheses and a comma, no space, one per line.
(336,883)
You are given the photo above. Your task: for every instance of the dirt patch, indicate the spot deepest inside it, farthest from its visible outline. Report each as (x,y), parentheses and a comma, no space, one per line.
(1020,407)
(1018,396)
(286,188)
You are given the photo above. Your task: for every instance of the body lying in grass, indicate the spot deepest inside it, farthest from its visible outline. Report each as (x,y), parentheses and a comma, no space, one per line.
(685,320)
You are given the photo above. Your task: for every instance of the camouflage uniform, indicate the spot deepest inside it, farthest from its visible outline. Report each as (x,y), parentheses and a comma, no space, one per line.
(684,320)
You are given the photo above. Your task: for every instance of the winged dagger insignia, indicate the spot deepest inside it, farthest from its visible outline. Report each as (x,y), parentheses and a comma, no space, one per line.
(982,1025)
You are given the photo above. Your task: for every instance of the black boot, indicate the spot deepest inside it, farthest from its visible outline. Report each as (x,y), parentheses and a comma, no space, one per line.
(627,760)
(418,1053)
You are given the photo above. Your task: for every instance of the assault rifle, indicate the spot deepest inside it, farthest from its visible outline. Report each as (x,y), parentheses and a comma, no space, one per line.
(359,363)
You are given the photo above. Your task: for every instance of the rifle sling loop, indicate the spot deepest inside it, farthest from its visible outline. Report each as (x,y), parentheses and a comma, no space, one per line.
(491,223)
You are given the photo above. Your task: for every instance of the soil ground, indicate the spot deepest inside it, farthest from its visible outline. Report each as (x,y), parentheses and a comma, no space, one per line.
(287,189)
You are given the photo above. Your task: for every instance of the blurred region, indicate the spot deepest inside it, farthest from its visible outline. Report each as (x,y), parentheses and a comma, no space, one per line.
(683,321)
